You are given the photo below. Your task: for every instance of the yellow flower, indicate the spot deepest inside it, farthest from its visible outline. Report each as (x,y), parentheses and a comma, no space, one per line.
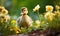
(4,11)
(3,18)
(57,7)
(49,16)
(36,8)
(37,22)
(1,8)
(13,21)
(16,29)
(49,8)
(57,13)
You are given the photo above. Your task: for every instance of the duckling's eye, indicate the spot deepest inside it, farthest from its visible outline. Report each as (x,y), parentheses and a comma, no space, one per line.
(24,10)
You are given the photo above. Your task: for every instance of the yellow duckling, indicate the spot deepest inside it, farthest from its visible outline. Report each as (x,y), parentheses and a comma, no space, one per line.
(24,20)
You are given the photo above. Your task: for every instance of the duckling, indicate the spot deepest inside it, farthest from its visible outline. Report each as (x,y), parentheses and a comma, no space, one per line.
(24,20)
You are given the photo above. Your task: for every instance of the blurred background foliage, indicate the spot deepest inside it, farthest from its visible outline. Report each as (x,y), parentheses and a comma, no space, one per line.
(13,6)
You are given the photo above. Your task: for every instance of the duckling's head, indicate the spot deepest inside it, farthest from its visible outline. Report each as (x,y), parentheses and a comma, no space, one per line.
(24,11)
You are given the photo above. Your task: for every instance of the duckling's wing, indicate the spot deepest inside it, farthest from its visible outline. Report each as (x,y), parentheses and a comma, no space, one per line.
(29,20)
(18,20)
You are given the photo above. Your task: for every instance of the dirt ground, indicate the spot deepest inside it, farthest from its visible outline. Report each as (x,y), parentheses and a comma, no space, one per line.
(40,33)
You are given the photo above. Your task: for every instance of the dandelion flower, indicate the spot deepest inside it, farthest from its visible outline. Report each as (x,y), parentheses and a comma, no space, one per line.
(36,8)
(4,11)
(49,8)
(13,21)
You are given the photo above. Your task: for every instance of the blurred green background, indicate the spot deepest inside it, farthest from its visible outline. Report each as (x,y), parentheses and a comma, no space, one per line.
(13,6)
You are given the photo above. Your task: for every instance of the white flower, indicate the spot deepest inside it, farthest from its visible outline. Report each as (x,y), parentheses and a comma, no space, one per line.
(36,8)
(49,8)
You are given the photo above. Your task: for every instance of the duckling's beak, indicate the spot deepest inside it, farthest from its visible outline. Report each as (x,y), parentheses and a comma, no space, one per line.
(23,13)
